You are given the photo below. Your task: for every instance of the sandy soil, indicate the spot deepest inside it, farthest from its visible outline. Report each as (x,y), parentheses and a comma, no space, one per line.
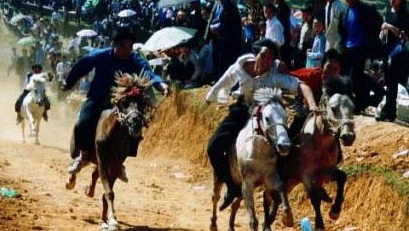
(170,181)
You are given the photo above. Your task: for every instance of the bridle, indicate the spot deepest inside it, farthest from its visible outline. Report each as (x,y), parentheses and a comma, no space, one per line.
(334,123)
(258,130)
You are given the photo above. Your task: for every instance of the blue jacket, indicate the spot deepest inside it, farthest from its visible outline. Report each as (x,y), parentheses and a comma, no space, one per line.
(106,66)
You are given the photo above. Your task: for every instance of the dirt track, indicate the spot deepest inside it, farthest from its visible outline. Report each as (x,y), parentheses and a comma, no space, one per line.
(170,181)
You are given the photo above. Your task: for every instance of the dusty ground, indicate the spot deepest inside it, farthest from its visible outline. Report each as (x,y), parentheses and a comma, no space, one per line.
(170,180)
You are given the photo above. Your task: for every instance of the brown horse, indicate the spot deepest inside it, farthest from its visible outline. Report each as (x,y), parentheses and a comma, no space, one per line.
(314,162)
(117,132)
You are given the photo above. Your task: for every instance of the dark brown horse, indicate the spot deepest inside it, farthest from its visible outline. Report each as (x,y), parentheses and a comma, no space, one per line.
(117,131)
(314,161)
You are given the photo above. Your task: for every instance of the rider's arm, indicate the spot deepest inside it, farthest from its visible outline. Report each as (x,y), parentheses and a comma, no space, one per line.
(295,86)
(308,95)
(225,83)
(80,69)
(157,81)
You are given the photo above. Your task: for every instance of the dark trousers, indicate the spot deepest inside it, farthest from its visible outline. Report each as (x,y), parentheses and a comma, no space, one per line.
(86,126)
(223,139)
(224,55)
(353,66)
(396,71)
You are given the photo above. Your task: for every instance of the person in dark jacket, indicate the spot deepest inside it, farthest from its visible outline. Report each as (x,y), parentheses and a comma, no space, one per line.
(359,27)
(226,33)
(394,32)
(107,62)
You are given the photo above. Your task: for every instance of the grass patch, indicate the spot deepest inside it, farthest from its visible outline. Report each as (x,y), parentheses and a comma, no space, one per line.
(391,178)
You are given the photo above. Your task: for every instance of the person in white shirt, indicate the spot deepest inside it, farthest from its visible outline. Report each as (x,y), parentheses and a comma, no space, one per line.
(251,72)
(62,69)
(333,11)
(274,29)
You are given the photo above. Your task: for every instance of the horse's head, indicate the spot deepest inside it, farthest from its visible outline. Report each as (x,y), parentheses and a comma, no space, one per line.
(130,116)
(37,85)
(130,100)
(342,117)
(273,118)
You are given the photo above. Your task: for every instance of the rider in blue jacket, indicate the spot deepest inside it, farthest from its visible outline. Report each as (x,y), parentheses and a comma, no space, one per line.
(107,62)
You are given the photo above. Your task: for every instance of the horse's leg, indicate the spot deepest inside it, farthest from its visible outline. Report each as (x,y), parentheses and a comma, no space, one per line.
(23,130)
(31,122)
(112,221)
(108,183)
(234,207)
(272,216)
(37,129)
(275,183)
(103,223)
(217,187)
(316,204)
(70,184)
(266,205)
(340,177)
(248,191)
(90,189)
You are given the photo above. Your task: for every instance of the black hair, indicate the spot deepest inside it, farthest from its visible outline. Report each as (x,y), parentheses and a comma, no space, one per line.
(266,43)
(336,84)
(34,66)
(331,54)
(123,33)
(270,5)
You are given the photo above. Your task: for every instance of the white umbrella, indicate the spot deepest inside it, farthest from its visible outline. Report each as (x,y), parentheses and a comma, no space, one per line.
(126,13)
(163,3)
(86,33)
(168,37)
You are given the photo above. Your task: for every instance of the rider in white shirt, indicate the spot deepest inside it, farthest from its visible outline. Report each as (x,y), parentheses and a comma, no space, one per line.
(251,73)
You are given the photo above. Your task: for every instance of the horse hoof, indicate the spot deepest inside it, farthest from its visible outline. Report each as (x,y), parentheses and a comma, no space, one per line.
(213,227)
(113,225)
(90,193)
(103,226)
(288,219)
(70,184)
(333,215)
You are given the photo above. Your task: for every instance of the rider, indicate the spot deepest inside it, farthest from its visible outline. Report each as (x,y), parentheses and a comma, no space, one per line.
(251,72)
(36,69)
(107,62)
(315,79)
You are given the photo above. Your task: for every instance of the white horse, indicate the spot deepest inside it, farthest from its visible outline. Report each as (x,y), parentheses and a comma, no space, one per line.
(33,107)
(253,159)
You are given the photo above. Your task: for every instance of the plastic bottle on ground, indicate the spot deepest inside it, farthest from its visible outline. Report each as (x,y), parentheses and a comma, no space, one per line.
(305,224)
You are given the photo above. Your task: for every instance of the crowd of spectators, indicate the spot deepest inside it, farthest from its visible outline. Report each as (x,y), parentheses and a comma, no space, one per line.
(225,30)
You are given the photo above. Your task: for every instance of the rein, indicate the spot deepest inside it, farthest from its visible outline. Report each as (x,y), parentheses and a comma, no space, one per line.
(123,118)
(263,132)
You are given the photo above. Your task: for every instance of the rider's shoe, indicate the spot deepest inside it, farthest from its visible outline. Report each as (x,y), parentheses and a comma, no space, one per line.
(122,175)
(232,192)
(77,165)
(45,116)
(19,118)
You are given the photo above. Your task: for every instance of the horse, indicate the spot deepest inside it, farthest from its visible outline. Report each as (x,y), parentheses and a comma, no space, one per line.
(33,106)
(117,131)
(314,161)
(253,157)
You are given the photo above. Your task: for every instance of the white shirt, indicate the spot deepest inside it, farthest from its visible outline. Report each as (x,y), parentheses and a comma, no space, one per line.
(62,69)
(248,85)
(275,31)
(332,32)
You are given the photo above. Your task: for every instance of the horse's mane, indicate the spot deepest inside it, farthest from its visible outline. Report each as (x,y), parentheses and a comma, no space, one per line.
(332,85)
(129,85)
(267,94)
